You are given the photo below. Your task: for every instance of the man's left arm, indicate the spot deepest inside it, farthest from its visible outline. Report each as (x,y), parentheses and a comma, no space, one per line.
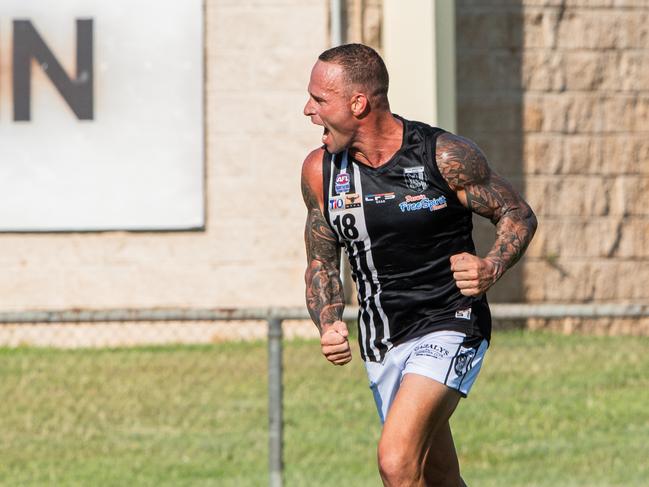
(484,192)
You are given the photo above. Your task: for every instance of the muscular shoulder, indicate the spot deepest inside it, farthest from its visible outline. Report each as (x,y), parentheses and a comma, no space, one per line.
(460,161)
(312,179)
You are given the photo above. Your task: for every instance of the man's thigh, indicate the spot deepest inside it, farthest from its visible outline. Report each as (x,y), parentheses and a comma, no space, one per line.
(449,357)
(420,408)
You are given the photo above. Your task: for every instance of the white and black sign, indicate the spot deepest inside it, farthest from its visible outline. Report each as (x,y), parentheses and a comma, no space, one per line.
(101,115)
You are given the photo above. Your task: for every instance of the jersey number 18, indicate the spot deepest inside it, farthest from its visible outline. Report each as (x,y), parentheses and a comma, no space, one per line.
(347,228)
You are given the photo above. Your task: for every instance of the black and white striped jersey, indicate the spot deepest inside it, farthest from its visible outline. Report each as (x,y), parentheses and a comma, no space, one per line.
(399,224)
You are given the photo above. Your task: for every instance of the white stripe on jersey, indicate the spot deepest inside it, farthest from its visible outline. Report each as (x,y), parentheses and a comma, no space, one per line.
(364,293)
(365,279)
(351,252)
(364,290)
(370,263)
(344,163)
(363,240)
(331,179)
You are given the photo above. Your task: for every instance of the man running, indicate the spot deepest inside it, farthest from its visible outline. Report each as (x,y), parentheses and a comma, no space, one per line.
(398,196)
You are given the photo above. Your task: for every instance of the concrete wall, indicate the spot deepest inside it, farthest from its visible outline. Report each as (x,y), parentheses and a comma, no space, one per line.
(258,56)
(557,93)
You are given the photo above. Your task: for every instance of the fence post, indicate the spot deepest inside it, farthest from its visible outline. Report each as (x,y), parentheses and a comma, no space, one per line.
(275,421)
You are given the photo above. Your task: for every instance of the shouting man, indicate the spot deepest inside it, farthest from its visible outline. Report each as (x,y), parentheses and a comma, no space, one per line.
(398,195)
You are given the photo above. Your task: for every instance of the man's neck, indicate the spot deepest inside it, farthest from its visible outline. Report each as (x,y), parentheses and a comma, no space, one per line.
(378,140)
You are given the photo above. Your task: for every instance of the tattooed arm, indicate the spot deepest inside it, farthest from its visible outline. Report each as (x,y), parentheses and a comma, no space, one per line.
(324,290)
(484,192)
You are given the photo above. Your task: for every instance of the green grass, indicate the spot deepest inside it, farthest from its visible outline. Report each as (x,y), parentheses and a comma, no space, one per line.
(547,410)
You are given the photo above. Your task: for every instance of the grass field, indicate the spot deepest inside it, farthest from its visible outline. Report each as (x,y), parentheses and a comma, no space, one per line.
(547,410)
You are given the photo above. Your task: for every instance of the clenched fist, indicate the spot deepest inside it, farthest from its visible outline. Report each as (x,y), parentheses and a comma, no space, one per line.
(473,275)
(334,343)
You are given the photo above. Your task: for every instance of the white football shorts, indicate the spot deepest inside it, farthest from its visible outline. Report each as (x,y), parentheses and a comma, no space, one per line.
(449,357)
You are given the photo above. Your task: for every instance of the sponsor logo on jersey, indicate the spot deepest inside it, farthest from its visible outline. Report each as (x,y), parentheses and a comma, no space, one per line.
(431,350)
(413,199)
(415,178)
(464,314)
(342,183)
(336,204)
(463,360)
(422,202)
(352,200)
(379,198)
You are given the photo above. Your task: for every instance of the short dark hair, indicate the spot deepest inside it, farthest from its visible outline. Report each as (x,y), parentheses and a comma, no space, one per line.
(362,66)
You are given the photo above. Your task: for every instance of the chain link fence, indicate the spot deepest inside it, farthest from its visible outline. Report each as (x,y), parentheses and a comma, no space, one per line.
(170,397)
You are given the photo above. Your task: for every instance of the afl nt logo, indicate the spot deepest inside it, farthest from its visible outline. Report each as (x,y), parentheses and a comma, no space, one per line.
(342,183)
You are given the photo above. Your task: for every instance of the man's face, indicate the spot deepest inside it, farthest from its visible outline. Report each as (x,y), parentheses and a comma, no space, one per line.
(329,105)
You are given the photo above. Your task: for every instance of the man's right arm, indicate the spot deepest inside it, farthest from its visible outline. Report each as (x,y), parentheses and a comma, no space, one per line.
(324,290)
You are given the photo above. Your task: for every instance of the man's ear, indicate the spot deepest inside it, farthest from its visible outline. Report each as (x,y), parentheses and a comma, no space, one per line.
(359,104)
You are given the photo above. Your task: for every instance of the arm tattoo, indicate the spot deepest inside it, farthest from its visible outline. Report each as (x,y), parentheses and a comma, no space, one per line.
(465,168)
(324,290)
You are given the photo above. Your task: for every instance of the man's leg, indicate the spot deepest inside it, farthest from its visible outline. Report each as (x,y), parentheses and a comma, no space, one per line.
(441,458)
(421,407)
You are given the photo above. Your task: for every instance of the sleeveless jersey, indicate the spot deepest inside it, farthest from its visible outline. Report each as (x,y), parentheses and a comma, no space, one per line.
(399,224)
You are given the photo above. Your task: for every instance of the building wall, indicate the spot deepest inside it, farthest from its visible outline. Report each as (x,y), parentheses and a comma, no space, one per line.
(258,55)
(557,93)
(363,22)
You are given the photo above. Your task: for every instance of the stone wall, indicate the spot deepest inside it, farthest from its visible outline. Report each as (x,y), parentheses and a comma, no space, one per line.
(557,93)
